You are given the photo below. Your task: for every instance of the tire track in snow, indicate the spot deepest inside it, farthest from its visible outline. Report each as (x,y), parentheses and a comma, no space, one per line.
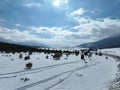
(53,77)
(62,80)
(4,75)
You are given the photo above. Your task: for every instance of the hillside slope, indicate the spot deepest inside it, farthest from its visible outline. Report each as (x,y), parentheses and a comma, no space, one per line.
(110,42)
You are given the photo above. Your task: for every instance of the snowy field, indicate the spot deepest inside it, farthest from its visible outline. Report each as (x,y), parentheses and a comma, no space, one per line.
(68,73)
(113,51)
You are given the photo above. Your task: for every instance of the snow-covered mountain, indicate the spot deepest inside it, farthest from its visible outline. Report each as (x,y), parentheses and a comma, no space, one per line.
(110,42)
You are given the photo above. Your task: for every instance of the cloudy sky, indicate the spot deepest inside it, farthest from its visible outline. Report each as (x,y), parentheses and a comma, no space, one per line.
(58,22)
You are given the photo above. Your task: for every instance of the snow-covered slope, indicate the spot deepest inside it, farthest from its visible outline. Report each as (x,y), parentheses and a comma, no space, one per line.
(109,42)
(64,74)
(113,51)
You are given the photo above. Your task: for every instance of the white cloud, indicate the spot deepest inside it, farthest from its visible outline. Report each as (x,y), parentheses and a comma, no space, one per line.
(93,29)
(59,36)
(32,4)
(56,31)
(77,12)
(86,30)
(15,35)
(28,36)
(99,28)
(18,25)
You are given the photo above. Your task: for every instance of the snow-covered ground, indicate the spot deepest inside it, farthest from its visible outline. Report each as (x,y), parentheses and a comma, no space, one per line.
(113,51)
(64,74)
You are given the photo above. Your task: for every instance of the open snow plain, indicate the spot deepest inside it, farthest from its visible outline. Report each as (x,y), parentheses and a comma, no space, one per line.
(68,73)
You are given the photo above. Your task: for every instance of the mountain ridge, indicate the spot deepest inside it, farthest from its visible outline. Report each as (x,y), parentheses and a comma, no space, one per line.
(110,42)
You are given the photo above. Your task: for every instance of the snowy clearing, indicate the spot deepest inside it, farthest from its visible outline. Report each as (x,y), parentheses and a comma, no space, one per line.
(68,73)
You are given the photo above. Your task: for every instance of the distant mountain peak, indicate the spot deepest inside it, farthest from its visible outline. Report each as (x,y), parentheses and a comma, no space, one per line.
(111,42)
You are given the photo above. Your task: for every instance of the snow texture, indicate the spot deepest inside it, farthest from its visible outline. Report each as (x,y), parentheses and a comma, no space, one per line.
(68,73)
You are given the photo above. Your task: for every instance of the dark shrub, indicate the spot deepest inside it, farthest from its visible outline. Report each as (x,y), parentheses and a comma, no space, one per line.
(100,54)
(106,57)
(27,57)
(29,65)
(96,53)
(90,54)
(82,56)
(20,56)
(30,53)
(76,52)
(47,57)
(12,59)
(57,56)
